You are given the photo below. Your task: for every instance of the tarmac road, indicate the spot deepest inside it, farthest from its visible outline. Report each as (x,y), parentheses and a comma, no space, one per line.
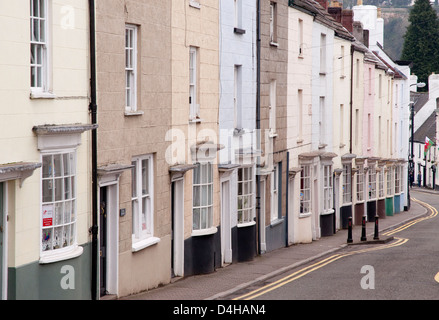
(403,269)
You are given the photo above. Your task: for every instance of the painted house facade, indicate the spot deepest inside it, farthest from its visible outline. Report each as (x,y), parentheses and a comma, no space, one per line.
(45,176)
(193,156)
(299,111)
(273,121)
(237,130)
(134,113)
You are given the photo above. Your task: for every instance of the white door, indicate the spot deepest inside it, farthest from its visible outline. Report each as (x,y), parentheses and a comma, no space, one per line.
(178,228)
(262,215)
(226,235)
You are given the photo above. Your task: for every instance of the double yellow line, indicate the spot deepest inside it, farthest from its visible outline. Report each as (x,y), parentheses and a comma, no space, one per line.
(304,271)
(433,213)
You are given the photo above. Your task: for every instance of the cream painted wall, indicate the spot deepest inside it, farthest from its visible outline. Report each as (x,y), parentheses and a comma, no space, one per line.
(18,114)
(197,26)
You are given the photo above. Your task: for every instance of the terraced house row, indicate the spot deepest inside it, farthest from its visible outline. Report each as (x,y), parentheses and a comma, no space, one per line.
(145,140)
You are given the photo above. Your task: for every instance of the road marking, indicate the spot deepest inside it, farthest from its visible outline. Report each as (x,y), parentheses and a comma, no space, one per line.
(433,213)
(304,271)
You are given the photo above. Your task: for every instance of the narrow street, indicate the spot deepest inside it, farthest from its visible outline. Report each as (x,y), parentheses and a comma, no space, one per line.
(404,268)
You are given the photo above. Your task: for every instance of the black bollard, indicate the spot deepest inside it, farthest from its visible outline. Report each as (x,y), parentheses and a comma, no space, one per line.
(350,230)
(376,236)
(363,229)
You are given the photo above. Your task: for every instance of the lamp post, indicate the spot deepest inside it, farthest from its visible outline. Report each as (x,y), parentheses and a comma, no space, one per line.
(411,168)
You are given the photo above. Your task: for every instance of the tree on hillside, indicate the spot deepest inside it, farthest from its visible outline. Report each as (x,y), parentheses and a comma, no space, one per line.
(421,41)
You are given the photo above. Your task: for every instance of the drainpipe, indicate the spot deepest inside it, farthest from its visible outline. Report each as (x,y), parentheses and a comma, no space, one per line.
(93,111)
(351,98)
(258,119)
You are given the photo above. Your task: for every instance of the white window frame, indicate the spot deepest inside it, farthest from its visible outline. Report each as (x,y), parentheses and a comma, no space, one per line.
(390,182)
(245,195)
(397,179)
(142,202)
(273,23)
(237,96)
(238,14)
(202,207)
(347,183)
(322,53)
(305,189)
(65,217)
(327,189)
(39,46)
(381,194)
(360,183)
(272,107)
(274,212)
(372,182)
(194,107)
(131,32)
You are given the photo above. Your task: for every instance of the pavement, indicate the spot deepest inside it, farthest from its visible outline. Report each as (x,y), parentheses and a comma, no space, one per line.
(237,276)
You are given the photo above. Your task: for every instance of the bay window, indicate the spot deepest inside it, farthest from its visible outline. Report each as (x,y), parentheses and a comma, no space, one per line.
(142,201)
(202,207)
(245,195)
(58,211)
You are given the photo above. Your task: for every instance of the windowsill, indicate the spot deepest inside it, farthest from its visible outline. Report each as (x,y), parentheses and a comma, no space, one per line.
(196,120)
(145,243)
(276,222)
(246,224)
(133,113)
(238,30)
(42,95)
(304,215)
(60,255)
(194,4)
(360,202)
(327,212)
(204,232)
(274,44)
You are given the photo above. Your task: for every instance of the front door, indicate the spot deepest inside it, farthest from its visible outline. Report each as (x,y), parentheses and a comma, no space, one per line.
(103,241)
(177,240)
(226,236)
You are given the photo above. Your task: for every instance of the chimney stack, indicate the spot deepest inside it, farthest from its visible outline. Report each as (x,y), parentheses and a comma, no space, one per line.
(347,19)
(323,3)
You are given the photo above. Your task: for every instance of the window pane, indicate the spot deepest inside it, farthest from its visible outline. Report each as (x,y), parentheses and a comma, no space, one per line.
(196,219)
(144,213)
(133,180)
(66,236)
(145,177)
(46,240)
(47,166)
(197,171)
(58,214)
(47,190)
(196,197)
(58,189)
(57,165)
